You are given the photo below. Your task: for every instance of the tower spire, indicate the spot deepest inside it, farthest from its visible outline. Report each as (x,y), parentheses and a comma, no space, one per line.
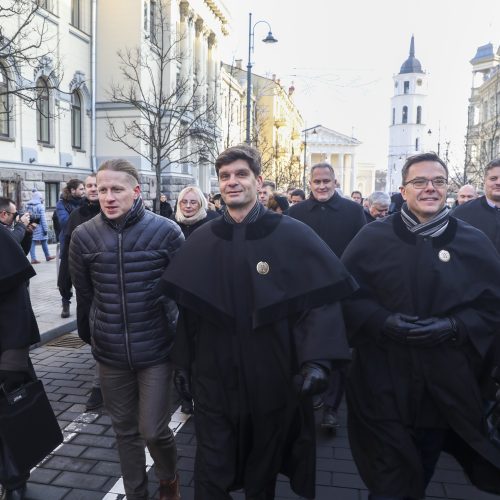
(412,46)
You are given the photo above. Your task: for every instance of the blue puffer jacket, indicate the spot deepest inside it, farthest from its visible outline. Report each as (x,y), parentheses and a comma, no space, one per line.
(115,270)
(35,208)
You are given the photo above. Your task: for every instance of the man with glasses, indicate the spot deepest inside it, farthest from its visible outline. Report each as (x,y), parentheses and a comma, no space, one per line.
(21,230)
(420,326)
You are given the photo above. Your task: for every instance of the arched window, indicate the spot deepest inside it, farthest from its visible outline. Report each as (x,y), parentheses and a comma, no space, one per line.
(43,112)
(393,116)
(405,115)
(417,144)
(5,110)
(419,114)
(76,120)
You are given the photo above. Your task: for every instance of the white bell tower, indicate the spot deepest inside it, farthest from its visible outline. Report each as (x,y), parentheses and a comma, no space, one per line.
(407,132)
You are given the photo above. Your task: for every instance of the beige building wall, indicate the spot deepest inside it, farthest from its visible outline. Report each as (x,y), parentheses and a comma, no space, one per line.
(26,162)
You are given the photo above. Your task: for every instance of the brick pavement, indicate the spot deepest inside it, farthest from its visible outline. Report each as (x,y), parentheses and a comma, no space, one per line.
(86,466)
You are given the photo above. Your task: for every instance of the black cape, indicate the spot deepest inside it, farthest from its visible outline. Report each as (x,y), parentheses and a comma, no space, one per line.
(18,327)
(393,388)
(250,339)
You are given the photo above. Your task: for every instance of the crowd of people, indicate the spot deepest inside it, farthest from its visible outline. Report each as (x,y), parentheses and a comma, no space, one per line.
(261,307)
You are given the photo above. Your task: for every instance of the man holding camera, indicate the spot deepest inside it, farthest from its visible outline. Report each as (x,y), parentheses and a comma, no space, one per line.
(20,228)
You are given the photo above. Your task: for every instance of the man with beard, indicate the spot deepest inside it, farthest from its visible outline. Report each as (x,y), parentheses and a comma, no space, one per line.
(336,220)
(90,208)
(420,325)
(255,339)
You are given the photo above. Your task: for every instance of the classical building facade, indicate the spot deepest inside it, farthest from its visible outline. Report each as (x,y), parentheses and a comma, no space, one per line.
(326,145)
(407,131)
(64,132)
(483,127)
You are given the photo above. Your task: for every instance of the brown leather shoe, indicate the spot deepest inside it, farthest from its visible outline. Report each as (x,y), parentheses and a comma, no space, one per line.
(170,490)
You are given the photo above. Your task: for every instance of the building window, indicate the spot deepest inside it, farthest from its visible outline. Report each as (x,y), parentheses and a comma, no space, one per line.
(405,115)
(76,120)
(417,144)
(153,20)
(419,114)
(43,114)
(5,109)
(407,87)
(51,194)
(45,4)
(76,14)
(393,116)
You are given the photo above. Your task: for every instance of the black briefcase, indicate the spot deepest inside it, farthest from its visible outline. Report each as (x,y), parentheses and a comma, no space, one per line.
(28,427)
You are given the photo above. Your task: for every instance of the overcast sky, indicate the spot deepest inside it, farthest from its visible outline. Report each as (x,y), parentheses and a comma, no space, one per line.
(342,57)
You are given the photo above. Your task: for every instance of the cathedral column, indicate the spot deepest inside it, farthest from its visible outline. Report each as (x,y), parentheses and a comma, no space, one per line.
(353,173)
(340,175)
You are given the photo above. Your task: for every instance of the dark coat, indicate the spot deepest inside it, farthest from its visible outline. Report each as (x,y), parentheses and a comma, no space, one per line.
(369,217)
(114,270)
(188,229)
(79,216)
(335,221)
(166,209)
(394,388)
(18,327)
(479,214)
(64,207)
(245,335)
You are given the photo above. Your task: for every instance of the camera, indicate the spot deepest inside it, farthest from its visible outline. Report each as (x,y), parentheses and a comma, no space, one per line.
(34,219)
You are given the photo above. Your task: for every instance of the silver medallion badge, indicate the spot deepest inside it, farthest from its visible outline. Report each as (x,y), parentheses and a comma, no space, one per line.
(262,267)
(444,256)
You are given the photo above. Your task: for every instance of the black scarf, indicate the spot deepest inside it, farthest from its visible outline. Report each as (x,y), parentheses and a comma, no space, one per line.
(431,228)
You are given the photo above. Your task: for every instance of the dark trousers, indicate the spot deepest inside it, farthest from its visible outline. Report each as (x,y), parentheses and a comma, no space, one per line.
(429,443)
(138,405)
(332,397)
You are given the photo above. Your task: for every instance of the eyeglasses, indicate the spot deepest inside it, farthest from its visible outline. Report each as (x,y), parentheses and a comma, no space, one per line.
(422,182)
(189,202)
(15,214)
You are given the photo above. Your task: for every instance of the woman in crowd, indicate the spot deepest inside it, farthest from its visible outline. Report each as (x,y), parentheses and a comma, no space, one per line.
(278,203)
(191,211)
(40,234)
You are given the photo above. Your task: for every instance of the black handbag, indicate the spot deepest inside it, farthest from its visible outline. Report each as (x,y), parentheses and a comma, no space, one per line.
(28,428)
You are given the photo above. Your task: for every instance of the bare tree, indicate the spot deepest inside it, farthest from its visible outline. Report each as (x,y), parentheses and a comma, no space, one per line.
(174,120)
(26,44)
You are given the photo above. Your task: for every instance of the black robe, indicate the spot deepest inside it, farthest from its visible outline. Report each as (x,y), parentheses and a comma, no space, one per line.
(393,388)
(18,327)
(245,335)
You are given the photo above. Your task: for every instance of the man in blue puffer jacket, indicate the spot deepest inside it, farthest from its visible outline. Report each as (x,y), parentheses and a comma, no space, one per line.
(116,260)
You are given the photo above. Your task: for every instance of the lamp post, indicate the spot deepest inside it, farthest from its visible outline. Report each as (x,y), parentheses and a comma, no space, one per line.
(251,38)
(305,155)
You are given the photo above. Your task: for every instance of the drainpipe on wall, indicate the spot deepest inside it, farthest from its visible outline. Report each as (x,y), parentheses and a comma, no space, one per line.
(93,73)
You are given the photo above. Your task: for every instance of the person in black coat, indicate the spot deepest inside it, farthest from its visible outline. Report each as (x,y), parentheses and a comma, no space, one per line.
(255,338)
(192,210)
(18,330)
(336,220)
(484,212)
(420,326)
(165,207)
(87,210)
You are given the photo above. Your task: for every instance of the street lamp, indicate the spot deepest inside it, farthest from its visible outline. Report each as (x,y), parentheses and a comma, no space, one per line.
(251,38)
(305,154)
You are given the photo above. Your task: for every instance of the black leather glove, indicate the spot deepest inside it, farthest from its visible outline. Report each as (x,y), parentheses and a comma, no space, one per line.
(11,380)
(398,325)
(182,384)
(432,331)
(314,379)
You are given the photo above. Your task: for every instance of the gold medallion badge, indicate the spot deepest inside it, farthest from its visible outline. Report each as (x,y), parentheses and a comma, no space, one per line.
(444,256)
(262,267)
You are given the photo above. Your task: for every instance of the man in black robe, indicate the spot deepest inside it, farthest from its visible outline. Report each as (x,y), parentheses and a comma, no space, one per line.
(421,323)
(255,338)
(484,212)
(18,330)
(336,220)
